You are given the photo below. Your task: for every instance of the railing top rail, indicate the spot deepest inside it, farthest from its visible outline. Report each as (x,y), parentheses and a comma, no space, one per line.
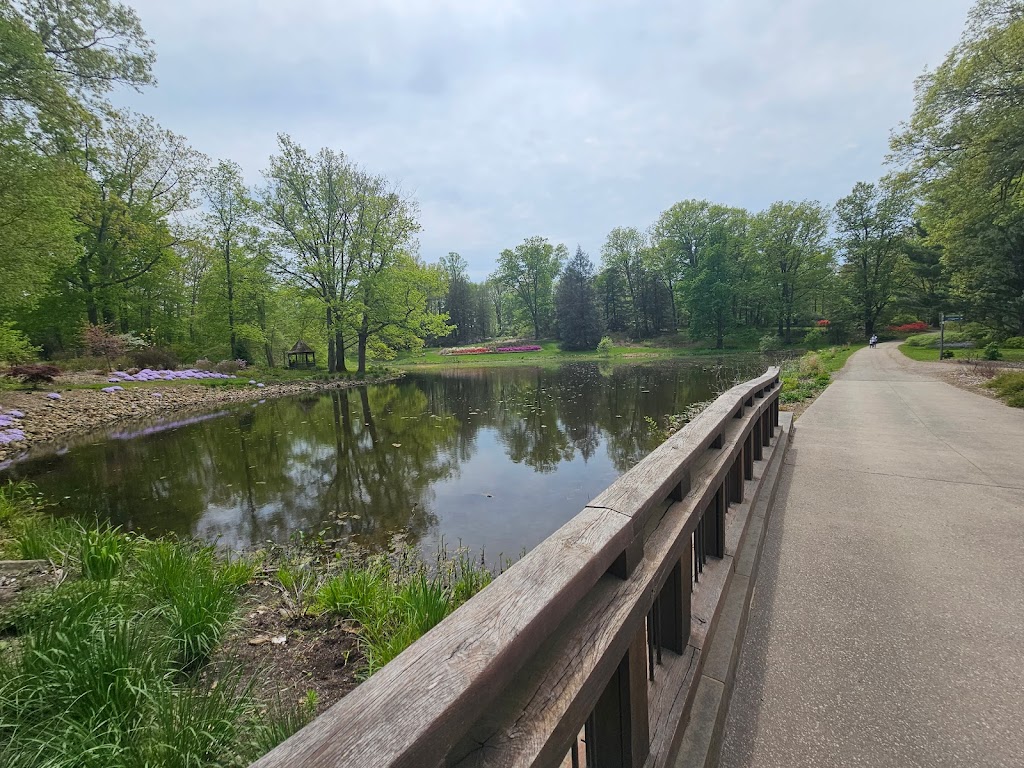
(413,710)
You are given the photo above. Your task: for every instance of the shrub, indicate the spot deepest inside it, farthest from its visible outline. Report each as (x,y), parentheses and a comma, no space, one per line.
(978,333)
(918,326)
(202,364)
(34,373)
(101,341)
(604,346)
(1010,387)
(230,366)
(815,338)
(769,343)
(155,358)
(932,339)
(1014,342)
(14,346)
(991,352)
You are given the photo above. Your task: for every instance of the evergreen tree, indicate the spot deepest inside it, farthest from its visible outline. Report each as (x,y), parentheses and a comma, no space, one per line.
(576,310)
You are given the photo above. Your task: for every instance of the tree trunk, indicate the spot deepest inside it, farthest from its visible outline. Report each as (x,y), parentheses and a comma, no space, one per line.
(364,334)
(330,341)
(231,302)
(339,343)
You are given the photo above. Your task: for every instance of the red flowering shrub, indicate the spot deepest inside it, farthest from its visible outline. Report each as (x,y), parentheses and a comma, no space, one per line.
(916,327)
(823,323)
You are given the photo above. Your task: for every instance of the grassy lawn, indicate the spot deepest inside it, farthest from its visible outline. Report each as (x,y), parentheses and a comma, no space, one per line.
(550,354)
(927,354)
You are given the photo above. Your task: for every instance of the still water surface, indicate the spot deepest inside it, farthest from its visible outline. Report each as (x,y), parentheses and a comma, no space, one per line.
(494,458)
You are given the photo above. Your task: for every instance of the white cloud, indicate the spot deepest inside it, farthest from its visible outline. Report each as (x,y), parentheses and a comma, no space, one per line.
(509,119)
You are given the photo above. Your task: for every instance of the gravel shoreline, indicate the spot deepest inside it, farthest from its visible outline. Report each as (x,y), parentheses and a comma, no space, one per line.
(45,421)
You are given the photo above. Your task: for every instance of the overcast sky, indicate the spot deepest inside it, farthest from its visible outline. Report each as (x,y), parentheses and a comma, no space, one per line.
(561,118)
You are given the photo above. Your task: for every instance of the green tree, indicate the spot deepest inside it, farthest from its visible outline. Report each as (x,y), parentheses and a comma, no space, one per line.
(576,311)
(140,175)
(529,270)
(964,149)
(790,247)
(871,225)
(623,253)
(312,205)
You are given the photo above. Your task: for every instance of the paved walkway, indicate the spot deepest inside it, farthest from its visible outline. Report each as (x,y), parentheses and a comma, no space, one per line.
(887,625)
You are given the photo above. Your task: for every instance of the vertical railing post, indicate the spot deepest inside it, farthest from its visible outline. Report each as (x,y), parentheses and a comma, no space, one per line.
(674,606)
(748,457)
(737,475)
(765,429)
(714,524)
(621,730)
(756,440)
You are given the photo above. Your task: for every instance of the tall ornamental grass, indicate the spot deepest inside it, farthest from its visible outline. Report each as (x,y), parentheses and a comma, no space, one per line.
(103,670)
(396,599)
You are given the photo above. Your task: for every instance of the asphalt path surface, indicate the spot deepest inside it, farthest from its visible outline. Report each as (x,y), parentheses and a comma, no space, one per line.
(887,623)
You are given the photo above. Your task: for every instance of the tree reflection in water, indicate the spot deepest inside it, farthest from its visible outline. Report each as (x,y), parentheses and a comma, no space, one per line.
(494,458)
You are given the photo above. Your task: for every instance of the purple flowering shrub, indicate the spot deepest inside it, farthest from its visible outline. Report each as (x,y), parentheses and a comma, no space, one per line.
(526,348)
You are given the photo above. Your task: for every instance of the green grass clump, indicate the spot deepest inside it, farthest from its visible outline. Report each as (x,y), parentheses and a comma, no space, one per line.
(804,378)
(397,600)
(196,595)
(1010,387)
(94,682)
(102,670)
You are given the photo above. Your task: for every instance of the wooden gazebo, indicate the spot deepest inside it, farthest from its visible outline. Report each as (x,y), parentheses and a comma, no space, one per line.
(298,356)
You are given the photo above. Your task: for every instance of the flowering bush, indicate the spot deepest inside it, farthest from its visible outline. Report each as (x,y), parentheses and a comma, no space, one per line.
(10,429)
(466,351)
(823,323)
(918,326)
(528,348)
(147,374)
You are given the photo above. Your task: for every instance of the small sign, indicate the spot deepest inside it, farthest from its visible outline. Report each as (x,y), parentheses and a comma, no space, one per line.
(952,318)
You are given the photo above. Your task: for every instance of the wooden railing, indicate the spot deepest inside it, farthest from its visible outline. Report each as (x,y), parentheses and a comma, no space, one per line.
(584,648)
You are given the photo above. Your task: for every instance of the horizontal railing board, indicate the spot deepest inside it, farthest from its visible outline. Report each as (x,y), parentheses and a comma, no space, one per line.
(546,709)
(438,688)
(657,474)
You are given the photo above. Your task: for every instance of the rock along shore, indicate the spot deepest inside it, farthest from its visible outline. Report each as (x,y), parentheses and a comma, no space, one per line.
(44,420)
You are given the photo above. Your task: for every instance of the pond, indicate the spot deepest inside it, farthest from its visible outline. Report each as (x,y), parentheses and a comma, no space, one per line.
(494,459)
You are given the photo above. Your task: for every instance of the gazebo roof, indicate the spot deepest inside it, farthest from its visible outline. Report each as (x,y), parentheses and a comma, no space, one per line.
(301,348)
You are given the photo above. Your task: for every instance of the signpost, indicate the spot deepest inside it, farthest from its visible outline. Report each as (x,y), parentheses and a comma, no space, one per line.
(942,331)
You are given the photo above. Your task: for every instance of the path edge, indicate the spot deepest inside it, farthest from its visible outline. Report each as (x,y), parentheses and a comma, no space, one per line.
(701,745)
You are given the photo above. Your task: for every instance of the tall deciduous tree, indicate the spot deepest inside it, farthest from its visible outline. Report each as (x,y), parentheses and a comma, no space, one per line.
(623,252)
(529,270)
(312,205)
(964,148)
(139,175)
(871,225)
(790,245)
(229,219)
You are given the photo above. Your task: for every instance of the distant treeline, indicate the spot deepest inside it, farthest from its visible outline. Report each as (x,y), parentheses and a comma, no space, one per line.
(107,219)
